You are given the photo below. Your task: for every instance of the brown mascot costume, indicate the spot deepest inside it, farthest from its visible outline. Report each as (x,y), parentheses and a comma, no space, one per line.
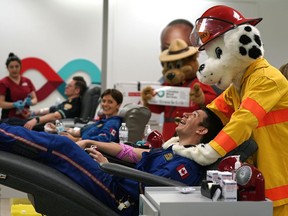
(180,64)
(254,104)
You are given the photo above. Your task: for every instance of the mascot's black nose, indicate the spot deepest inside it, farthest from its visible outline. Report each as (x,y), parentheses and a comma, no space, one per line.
(201,68)
(170,76)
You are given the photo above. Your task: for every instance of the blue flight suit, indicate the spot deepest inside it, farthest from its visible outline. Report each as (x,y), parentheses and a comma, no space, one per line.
(67,157)
(104,129)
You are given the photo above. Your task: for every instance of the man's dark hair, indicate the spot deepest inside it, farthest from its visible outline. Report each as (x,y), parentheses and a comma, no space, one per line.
(80,83)
(181,21)
(116,95)
(213,124)
(12,57)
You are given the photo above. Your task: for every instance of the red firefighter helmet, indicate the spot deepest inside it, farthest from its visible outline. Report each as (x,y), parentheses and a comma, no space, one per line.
(216,21)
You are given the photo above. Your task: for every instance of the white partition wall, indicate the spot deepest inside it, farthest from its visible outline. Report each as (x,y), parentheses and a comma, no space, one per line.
(134,33)
(59,31)
(55,31)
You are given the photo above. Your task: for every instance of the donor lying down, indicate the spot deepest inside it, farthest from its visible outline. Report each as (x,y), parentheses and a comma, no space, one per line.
(69,158)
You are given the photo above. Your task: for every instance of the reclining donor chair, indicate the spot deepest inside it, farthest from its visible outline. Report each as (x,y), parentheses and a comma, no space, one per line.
(54,194)
(89,102)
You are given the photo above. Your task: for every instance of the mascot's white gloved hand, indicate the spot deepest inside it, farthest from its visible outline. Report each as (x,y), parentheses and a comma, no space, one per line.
(202,154)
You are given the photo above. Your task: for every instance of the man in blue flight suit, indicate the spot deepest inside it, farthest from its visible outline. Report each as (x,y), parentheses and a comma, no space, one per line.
(118,193)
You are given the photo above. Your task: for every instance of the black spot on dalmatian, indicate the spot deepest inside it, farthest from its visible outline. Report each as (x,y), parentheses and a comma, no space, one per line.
(248,29)
(257,40)
(254,52)
(244,39)
(242,51)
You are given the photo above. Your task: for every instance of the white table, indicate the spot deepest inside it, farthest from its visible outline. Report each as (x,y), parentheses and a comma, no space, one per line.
(167,201)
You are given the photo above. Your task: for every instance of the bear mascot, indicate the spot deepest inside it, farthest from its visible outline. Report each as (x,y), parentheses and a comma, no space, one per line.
(255,100)
(180,64)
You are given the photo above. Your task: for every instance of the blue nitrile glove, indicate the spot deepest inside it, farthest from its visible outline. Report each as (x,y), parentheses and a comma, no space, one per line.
(19,105)
(28,101)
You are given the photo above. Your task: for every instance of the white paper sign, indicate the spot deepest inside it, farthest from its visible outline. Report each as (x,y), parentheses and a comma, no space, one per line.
(171,96)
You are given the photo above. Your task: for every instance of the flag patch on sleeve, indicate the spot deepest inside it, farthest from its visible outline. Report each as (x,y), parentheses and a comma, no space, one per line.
(112,132)
(182,171)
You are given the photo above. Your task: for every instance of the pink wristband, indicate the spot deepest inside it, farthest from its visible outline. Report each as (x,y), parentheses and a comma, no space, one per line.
(127,151)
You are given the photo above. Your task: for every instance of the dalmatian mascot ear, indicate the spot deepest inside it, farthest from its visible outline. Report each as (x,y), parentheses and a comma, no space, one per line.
(232,44)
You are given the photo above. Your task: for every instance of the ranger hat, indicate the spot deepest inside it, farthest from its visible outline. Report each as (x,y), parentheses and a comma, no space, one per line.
(178,49)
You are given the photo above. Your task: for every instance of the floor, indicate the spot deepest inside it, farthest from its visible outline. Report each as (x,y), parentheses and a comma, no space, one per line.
(5,207)
(9,196)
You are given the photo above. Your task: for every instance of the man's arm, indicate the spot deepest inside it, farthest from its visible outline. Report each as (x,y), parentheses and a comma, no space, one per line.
(42,119)
(41,112)
(114,149)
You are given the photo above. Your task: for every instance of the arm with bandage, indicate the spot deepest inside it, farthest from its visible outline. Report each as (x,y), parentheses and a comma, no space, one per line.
(121,151)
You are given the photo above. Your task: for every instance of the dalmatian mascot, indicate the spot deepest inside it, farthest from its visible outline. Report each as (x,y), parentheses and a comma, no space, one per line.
(254,103)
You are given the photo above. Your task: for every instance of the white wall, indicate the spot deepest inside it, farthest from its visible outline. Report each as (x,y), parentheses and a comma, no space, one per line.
(274,31)
(56,31)
(59,31)
(135,27)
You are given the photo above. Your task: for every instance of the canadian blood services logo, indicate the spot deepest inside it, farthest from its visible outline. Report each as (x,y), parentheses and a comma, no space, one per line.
(56,81)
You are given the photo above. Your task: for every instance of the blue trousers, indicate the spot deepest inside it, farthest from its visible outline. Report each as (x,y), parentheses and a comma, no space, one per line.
(67,157)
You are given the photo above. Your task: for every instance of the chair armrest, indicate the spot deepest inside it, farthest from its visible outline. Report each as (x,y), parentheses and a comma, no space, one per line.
(137,175)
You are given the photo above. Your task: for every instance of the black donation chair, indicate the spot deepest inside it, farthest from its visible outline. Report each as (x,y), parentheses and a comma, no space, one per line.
(54,194)
(136,117)
(89,103)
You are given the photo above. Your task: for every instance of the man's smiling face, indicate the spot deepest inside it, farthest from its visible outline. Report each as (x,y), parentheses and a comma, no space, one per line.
(191,122)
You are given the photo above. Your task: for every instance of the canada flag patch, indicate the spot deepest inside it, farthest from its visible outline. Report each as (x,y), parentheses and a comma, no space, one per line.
(182,171)
(112,132)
